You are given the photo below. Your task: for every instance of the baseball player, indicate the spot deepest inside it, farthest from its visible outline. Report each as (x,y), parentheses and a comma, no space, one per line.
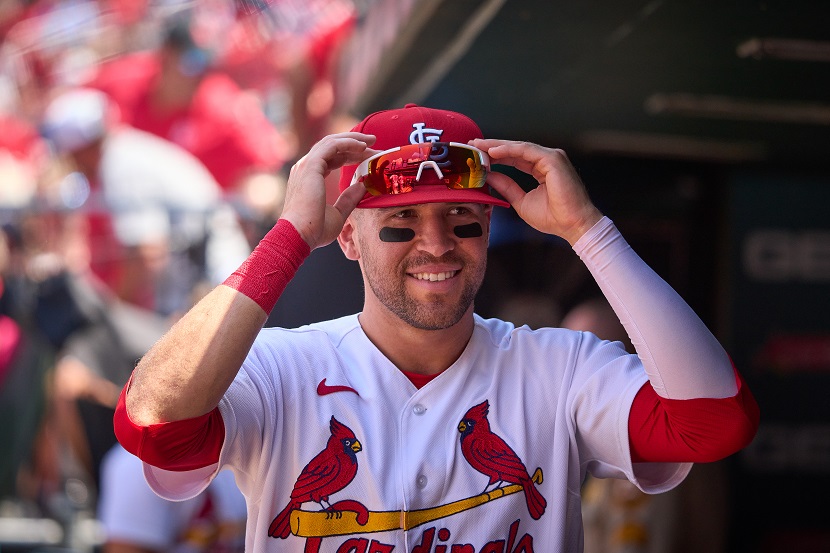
(416,425)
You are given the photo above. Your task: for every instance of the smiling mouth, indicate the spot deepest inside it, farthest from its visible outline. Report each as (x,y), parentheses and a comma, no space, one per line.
(435,277)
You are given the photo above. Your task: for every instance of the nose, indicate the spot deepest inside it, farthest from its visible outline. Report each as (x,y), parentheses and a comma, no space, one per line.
(435,236)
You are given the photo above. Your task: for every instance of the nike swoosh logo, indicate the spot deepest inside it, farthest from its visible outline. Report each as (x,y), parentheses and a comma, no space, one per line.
(324,390)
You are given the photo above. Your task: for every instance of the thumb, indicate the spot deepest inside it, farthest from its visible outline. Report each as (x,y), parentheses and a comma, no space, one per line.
(335,216)
(349,198)
(507,187)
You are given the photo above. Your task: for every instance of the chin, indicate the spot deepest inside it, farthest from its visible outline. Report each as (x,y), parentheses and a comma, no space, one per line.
(434,317)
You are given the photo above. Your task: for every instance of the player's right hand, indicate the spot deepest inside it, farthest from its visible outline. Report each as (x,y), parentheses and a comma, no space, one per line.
(305,196)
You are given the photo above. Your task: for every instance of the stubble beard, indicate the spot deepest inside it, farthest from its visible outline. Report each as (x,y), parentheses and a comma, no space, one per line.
(437,312)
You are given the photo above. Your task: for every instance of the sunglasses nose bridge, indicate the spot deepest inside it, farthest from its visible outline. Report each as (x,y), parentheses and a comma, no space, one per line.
(428,164)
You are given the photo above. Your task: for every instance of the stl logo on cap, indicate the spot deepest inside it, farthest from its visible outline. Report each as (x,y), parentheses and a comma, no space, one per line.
(421,135)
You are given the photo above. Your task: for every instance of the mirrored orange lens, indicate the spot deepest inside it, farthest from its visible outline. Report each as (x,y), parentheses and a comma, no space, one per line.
(396,172)
(462,168)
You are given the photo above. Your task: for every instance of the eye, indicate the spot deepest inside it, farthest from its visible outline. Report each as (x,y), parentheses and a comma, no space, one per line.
(404,214)
(460,210)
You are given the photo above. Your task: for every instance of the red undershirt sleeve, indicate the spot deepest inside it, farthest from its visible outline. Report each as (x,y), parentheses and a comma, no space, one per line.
(699,430)
(180,445)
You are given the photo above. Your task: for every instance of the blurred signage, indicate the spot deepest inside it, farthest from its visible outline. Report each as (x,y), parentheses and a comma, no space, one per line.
(779,337)
(781,255)
(781,272)
(794,353)
(787,447)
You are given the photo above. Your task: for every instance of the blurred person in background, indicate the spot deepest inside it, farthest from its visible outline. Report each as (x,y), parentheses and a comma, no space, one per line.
(23,367)
(149,220)
(25,356)
(238,89)
(312,75)
(22,156)
(175,92)
(136,520)
(133,518)
(102,278)
(156,198)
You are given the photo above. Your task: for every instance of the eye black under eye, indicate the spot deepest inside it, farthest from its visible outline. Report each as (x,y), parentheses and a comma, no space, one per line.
(471,230)
(396,234)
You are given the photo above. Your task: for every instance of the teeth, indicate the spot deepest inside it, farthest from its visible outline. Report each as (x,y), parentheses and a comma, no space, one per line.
(434,277)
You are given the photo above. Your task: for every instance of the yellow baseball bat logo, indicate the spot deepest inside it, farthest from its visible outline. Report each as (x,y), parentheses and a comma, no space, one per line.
(321,524)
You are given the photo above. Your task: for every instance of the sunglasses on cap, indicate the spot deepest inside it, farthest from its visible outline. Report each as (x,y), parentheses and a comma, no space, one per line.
(398,170)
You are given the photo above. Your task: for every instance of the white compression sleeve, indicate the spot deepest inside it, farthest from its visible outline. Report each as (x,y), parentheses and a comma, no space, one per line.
(682,358)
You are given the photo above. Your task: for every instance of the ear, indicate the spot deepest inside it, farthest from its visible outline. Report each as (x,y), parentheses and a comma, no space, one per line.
(346,239)
(488,211)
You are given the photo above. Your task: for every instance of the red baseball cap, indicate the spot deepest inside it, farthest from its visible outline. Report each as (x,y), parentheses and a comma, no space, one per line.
(415,124)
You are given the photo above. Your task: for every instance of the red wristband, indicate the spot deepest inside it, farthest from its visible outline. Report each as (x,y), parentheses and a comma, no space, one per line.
(271,266)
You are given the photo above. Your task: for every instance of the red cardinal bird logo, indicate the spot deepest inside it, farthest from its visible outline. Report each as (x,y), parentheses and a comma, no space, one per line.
(490,455)
(328,472)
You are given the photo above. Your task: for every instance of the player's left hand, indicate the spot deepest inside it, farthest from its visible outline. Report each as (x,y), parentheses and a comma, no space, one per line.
(559,205)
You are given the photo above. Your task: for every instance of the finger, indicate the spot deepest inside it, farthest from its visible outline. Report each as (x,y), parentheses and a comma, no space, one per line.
(359,136)
(503,148)
(530,158)
(341,145)
(518,154)
(363,137)
(342,151)
(524,156)
(349,198)
(486,143)
(335,216)
(507,187)
(332,226)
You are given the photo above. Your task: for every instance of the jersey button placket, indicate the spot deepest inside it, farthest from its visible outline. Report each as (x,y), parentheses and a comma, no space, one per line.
(421,481)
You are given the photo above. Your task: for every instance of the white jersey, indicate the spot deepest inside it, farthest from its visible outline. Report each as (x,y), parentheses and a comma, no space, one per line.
(556,400)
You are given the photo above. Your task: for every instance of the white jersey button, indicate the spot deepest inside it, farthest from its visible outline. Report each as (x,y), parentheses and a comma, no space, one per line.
(419,409)
(421,481)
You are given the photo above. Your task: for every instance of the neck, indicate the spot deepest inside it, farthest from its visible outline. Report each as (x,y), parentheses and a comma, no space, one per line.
(413,349)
